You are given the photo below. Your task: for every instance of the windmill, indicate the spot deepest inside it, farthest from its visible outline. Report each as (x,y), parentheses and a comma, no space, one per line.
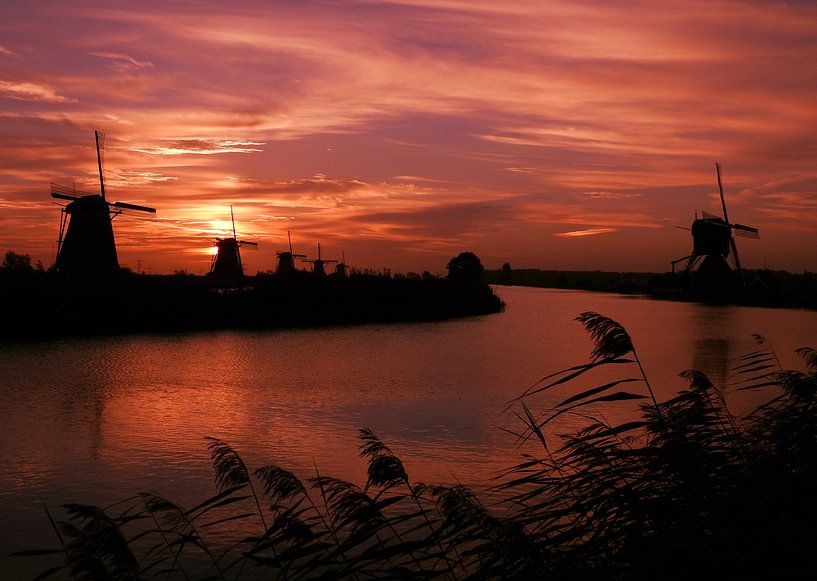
(227,259)
(317,264)
(286,260)
(86,244)
(341,268)
(713,238)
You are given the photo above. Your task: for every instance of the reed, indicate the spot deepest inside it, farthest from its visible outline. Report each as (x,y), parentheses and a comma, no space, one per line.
(685,488)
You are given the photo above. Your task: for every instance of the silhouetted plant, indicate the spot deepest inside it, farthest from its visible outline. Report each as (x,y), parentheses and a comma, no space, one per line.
(466,266)
(685,488)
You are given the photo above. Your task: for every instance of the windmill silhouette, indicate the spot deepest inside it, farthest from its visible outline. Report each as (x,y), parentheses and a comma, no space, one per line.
(341,268)
(226,261)
(86,243)
(318,263)
(713,238)
(286,260)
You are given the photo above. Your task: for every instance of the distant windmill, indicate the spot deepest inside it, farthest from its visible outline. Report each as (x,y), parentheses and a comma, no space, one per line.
(227,259)
(317,264)
(341,268)
(86,244)
(713,238)
(286,260)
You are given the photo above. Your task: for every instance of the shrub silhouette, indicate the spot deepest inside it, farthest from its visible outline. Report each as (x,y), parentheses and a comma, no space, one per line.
(465,266)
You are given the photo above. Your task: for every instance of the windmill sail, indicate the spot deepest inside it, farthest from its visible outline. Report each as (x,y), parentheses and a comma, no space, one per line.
(746,231)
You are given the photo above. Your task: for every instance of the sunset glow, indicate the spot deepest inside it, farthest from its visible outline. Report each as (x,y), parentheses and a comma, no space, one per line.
(548,134)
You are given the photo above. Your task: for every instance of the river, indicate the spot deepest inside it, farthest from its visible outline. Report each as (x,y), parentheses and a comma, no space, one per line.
(95,420)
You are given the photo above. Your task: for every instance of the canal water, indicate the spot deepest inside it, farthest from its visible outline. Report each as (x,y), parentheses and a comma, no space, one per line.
(95,420)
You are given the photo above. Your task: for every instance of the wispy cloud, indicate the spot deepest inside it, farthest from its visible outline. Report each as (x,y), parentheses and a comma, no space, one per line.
(25,91)
(586,232)
(123,63)
(200,147)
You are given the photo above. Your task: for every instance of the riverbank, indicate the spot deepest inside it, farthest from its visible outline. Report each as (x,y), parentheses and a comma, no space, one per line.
(765,288)
(44,305)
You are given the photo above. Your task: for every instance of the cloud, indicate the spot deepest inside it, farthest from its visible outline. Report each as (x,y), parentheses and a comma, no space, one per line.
(611,195)
(586,232)
(123,63)
(200,147)
(131,177)
(25,91)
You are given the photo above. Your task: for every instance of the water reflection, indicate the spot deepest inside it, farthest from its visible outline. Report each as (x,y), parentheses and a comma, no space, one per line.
(712,332)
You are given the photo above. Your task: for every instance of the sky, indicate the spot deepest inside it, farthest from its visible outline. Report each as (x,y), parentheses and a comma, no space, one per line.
(547,134)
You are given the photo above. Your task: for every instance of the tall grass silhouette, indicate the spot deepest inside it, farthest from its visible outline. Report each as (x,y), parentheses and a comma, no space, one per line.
(685,488)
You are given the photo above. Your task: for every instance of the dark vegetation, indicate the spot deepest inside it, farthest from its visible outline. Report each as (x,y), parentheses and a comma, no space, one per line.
(42,304)
(771,288)
(686,489)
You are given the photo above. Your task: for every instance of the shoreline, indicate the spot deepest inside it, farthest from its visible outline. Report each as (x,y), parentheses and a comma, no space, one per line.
(770,289)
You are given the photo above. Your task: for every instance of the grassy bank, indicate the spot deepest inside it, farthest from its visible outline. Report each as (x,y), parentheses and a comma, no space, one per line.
(772,288)
(684,488)
(44,304)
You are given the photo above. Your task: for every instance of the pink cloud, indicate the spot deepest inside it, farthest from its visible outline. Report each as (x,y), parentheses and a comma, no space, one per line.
(24,91)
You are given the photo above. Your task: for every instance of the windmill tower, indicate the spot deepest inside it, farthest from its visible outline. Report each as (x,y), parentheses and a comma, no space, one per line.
(226,261)
(286,260)
(86,244)
(318,263)
(713,238)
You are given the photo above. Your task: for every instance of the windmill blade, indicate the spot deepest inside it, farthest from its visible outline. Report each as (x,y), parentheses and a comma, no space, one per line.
(126,206)
(707,216)
(60,196)
(245,243)
(720,189)
(737,259)
(66,193)
(100,146)
(746,231)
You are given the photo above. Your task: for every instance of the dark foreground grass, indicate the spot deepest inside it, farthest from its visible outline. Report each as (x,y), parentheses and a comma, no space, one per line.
(686,489)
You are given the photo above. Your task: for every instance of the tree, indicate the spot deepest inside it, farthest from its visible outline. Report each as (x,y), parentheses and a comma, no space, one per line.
(465,266)
(17,262)
(506,272)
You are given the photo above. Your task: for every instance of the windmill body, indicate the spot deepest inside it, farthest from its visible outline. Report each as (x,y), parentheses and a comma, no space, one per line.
(86,243)
(711,246)
(227,259)
(88,247)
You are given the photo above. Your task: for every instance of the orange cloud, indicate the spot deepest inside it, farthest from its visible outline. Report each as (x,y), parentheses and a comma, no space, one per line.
(586,232)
